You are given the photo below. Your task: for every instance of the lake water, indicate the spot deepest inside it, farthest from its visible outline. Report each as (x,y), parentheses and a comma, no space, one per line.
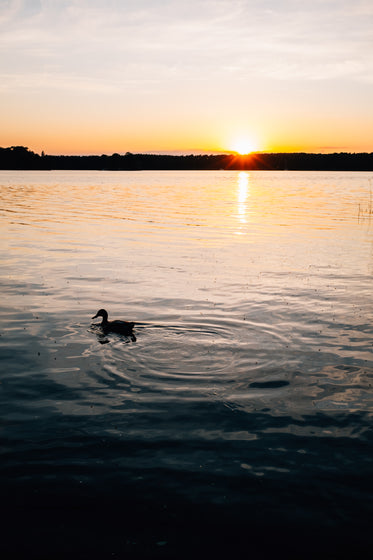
(239,421)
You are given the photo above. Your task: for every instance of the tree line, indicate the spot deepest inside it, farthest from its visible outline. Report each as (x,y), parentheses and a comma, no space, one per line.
(20,157)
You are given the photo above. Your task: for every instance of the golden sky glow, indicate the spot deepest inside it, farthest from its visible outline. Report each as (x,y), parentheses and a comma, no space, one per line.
(102,76)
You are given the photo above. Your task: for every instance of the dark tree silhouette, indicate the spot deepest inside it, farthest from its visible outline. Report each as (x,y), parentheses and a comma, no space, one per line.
(20,157)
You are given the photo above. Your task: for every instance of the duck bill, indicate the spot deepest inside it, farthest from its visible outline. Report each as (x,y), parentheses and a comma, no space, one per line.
(95,316)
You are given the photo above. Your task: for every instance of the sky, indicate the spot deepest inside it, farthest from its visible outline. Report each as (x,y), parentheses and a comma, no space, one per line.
(104,76)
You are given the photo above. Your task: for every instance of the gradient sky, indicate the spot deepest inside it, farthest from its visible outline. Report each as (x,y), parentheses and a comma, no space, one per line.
(104,76)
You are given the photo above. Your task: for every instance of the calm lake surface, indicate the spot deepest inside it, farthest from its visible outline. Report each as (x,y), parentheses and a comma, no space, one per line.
(240,418)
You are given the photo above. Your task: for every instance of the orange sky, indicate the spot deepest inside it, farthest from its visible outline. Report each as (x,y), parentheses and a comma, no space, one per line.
(101,76)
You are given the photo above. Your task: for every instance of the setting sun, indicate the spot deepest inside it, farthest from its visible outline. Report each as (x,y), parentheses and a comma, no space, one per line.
(243,146)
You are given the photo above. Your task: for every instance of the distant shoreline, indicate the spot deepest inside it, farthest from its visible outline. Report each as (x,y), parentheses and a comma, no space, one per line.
(19,157)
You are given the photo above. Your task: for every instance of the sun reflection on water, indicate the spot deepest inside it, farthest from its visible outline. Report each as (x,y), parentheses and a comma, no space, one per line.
(243,189)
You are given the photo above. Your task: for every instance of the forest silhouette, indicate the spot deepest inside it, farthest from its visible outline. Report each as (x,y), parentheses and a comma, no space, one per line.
(20,157)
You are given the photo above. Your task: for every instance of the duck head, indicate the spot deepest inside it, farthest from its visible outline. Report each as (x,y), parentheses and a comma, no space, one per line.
(101,313)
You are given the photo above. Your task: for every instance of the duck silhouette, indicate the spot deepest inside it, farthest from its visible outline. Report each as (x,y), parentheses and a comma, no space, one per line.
(117,326)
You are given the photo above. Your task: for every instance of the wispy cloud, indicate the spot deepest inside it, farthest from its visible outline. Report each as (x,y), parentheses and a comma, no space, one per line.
(174,40)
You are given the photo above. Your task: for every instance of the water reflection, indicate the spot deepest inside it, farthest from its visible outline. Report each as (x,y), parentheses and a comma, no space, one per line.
(242,195)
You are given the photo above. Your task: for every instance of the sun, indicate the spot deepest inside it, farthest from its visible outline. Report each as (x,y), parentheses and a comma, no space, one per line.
(243,146)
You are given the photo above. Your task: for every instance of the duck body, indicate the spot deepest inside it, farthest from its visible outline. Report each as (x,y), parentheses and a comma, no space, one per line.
(117,326)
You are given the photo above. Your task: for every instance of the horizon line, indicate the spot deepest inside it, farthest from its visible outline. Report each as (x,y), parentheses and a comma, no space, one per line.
(195,152)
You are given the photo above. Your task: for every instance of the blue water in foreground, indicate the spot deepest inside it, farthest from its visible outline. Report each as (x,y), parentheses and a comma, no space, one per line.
(239,421)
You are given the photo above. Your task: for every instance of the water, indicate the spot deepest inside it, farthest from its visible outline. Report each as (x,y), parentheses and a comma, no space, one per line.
(239,421)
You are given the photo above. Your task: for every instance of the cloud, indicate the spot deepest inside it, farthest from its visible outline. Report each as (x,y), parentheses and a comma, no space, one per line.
(168,41)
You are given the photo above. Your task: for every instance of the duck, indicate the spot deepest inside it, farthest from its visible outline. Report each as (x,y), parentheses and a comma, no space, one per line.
(117,326)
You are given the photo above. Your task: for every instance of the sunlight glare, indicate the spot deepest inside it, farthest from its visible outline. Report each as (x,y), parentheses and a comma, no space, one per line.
(243,146)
